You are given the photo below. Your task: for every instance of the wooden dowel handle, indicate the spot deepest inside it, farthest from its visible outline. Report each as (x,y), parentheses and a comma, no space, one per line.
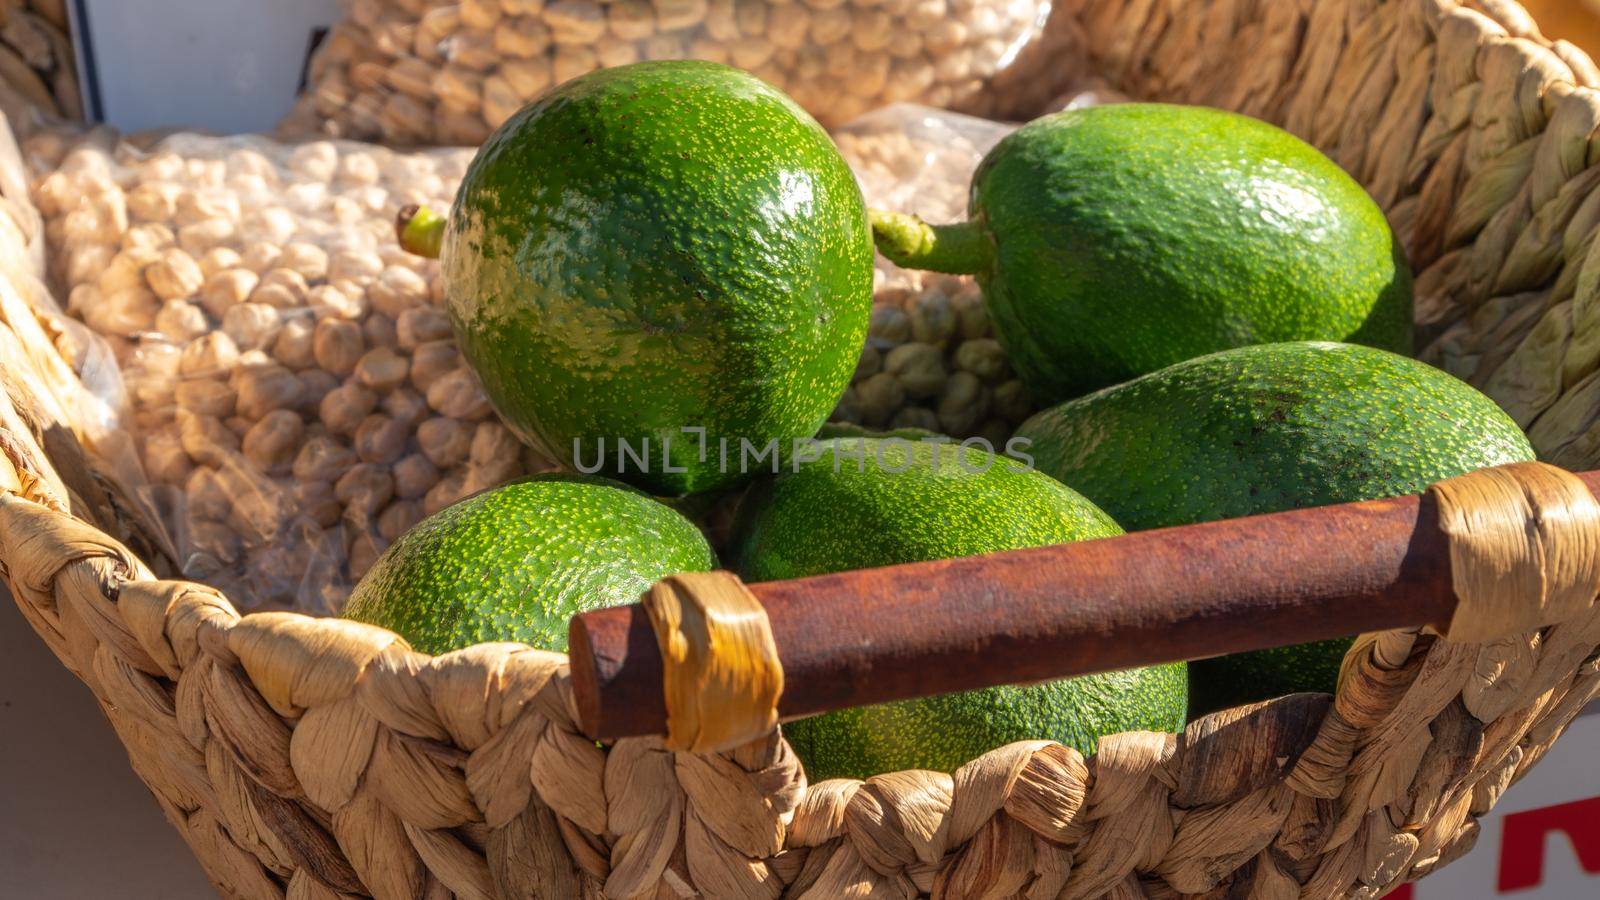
(876,635)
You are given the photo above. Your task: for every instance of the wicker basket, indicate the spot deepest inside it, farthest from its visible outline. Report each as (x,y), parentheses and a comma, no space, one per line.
(318,758)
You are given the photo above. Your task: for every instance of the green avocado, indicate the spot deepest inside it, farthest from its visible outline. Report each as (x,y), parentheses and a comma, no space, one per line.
(1265,429)
(1115,241)
(652,250)
(516,562)
(866,503)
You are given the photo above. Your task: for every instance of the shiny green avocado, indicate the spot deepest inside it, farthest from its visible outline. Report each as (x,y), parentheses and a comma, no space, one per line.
(1115,241)
(656,249)
(1266,429)
(516,562)
(866,503)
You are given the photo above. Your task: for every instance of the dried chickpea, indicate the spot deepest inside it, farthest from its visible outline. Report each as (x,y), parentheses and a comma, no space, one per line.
(181,320)
(165,460)
(293,345)
(206,440)
(203,236)
(206,398)
(282,288)
(365,489)
(422,325)
(227,289)
(405,406)
(414,475)
(364,551)
(354,265)
(458,395)
(380,331)
(381,369)
(215,540)
(337,301)
(205,498)
(431,361)
(306,259)
(322,458)
(252,325)
(174,276)
(984,358)
(879,397)
(396,290)
(1011,402)
(273,224)
(963,405)
(338,345)
(451,488)
(259,256)
(273,441)
(445,442)
(317,502)
(212,355)
(381,439)
(398,518)
(345,407)
(918,367)
(265,388)
(219,259)
(124,313)
(318,384)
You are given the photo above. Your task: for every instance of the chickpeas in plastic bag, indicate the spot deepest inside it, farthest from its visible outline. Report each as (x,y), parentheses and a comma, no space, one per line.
(431,72)
(291,378)
(290,375)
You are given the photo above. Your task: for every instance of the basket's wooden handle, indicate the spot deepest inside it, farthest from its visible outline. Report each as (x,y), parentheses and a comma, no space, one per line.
(877,635)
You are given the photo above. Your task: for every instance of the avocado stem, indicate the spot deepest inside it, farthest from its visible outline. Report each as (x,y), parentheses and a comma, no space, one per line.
(909,242)
(420,230)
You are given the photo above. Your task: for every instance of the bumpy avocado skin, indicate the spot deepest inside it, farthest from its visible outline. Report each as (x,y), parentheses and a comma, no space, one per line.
(1265,429)
(1123,239)
(948,502)
(656,247)
(516,562)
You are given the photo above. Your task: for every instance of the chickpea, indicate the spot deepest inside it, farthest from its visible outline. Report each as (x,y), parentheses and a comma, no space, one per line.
(381,369)
(431,361)
(338,345)
(365,489)
(294,345)
(181,321)
(398,518)
(210,356)
(414,476)
(252,325)
(381,439)
(445,442)
(271,444)
(265,388)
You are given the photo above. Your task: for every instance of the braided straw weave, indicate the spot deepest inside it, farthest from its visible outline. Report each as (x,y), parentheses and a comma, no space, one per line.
(320,758)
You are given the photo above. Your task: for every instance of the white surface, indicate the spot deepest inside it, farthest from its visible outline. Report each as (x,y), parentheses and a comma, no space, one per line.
(224,65)
(75,822)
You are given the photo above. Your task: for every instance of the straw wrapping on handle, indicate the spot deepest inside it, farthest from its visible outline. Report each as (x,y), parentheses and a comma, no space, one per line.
(720,669)
(1524,543)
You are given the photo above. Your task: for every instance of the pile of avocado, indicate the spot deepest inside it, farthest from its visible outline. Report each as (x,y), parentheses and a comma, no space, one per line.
(662,274)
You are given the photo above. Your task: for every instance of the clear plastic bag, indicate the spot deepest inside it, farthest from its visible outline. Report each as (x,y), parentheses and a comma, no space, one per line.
(931,359)
(431,72)
(288,373)
(291,382)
